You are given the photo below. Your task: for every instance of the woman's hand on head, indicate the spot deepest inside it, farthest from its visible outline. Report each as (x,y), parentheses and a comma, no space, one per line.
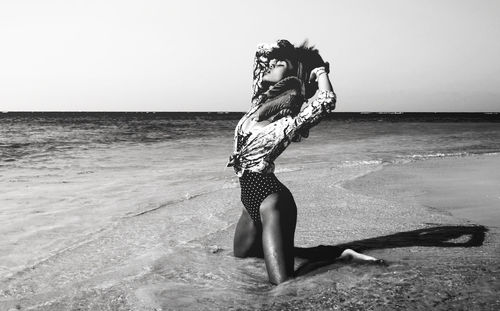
(320,76)
(316,72)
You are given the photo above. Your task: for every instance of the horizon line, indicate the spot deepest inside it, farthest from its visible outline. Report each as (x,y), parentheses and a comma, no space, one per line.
(230,112)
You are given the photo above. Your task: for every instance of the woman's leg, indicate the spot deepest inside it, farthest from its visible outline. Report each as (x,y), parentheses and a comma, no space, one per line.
(279,217)
(247,238)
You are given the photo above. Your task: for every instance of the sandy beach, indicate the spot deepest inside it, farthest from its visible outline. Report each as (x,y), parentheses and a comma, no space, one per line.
(437,258)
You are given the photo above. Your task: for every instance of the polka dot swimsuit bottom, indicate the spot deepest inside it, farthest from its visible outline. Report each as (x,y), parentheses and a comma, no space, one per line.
(255,187)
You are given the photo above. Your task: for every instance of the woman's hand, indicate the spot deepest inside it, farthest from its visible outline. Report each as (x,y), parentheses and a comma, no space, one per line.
(316,72)
(320,75)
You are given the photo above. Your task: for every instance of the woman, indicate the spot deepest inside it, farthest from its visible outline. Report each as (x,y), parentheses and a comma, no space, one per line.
(285,76)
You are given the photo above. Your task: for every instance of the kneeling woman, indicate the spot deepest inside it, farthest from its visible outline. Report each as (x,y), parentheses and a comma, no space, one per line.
(285,77)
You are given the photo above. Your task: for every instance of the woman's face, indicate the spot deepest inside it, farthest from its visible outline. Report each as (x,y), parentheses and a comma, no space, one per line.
(278,69)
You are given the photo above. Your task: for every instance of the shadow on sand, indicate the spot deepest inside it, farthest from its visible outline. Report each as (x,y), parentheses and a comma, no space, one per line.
(442,236)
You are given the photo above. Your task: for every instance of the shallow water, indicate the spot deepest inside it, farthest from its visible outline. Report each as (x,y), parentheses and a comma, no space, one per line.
(99,207)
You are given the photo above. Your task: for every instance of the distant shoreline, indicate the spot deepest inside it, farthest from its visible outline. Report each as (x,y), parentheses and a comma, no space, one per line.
(345,116)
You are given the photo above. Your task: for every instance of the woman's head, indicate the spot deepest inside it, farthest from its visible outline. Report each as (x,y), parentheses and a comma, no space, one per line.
(276,61)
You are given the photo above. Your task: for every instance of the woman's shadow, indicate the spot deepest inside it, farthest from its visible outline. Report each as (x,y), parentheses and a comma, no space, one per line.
(441,236)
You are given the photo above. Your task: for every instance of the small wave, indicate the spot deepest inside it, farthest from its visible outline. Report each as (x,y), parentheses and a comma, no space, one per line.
(404,159)
(438,155)
(152,208)
(361,163)
(421,157)
(189,196)
(417,157)
(231,184)
(85,172)
(491,153)
(186,197)
(287,170)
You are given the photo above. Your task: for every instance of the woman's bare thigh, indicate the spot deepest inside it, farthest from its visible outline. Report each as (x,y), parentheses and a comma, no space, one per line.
(247,237)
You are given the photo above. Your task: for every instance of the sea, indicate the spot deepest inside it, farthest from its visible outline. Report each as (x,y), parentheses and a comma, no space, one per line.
(71,180)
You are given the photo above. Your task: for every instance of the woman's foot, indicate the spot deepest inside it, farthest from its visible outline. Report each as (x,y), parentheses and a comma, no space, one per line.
(351,255)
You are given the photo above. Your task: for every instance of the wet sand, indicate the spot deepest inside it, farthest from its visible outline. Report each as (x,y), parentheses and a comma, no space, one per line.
(437,260)
(468,187)
(437,222)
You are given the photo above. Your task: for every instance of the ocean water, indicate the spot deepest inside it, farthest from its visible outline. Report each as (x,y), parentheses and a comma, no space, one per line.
(81,188)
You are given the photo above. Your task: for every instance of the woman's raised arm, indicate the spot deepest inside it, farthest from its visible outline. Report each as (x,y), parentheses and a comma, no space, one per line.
(313,112)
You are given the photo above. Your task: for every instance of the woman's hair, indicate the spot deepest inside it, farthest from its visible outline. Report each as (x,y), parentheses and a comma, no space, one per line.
(304,58)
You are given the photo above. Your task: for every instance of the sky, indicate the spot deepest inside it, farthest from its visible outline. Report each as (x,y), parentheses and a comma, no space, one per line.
(152,55)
